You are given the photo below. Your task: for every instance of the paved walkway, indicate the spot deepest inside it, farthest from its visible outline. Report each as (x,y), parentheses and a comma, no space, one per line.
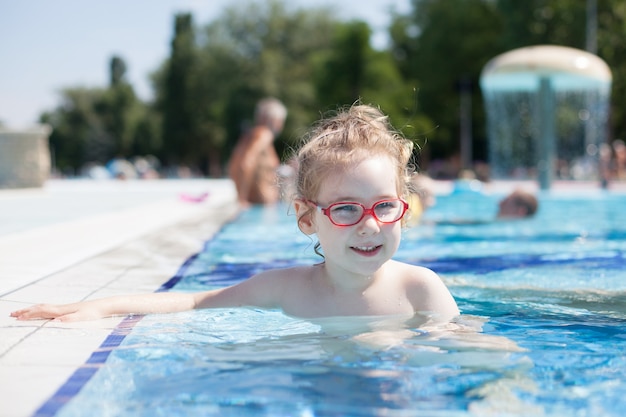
(76,240)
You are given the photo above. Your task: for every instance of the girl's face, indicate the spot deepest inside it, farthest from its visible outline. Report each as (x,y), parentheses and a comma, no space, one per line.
(362,248)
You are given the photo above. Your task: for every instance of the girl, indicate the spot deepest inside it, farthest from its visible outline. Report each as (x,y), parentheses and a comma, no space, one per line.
(351,189)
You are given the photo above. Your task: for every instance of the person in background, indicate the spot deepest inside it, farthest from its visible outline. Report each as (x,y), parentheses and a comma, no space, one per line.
(619,148)
(254,160)
(422,197)
(517,204)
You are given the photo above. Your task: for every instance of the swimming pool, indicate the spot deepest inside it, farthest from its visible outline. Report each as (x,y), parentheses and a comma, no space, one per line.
(554,286)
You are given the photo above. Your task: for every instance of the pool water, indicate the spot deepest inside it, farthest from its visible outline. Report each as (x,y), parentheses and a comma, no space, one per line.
(543,329)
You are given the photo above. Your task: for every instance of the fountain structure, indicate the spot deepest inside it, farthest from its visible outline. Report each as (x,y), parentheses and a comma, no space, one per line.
(547,113)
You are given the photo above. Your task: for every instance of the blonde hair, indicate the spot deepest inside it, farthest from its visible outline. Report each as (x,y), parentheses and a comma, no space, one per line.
(346,138)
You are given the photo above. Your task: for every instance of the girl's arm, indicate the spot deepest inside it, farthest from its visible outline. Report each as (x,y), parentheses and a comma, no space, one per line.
(259,291)
(110,306)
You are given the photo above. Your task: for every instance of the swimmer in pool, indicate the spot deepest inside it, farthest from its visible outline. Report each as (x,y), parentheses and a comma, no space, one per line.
(518,204)
(353,179)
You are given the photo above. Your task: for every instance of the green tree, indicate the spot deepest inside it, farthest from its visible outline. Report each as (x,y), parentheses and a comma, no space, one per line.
(539,22)
(342,76)
(147,134)
(176,96)
(78,134)
(93,125)
(120,110)
(254,50)
(443,44)
(611,48)
(209,86)
(352,70)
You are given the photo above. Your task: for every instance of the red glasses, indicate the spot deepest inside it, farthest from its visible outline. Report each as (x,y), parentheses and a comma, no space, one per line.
(350,213)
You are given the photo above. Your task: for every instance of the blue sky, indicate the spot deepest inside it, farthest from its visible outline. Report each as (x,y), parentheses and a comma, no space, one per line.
(47,45)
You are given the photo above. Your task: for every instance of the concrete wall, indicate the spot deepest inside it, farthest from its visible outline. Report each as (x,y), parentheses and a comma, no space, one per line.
(24,157)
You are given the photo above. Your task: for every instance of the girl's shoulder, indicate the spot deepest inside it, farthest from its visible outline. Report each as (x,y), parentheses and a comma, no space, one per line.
(426,291)
(419,280)
(412,273)
(289,275)
(292,269)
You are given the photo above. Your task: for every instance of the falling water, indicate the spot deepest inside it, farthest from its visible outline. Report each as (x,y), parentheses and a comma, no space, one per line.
(547,113)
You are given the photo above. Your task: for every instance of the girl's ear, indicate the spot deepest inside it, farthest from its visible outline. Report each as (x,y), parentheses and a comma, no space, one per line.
(304,214)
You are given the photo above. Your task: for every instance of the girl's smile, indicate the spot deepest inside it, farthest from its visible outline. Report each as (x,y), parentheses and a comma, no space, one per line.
(367,250)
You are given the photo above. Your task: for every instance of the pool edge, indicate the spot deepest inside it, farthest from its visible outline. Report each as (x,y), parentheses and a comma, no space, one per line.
(38,357)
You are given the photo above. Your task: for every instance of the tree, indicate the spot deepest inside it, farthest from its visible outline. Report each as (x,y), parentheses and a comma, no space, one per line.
(209,86)
(441,45)
(351,70)
(611,48)
(540,22)
(342,76)
(93,125)
(78,134)
(175,100)
(120,110)
(255,50)
(147,134)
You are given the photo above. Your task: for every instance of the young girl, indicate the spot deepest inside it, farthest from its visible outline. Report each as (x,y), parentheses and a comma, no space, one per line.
(351,188)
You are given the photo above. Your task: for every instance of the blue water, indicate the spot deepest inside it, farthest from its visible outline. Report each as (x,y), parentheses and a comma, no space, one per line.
(542,330)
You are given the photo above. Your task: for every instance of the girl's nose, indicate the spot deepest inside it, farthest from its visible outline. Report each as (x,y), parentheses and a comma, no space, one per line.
(368,225)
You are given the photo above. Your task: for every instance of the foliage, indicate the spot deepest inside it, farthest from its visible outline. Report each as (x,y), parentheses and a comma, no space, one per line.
(444,44)
(120,109)
(611,48)
(78,134)
(95,125)
(538,22)
(255,50)
(180,130)
(205,91)
(351,70)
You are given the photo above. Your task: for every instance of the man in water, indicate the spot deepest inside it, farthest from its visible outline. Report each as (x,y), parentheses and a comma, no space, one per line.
(518,204)
(254,160)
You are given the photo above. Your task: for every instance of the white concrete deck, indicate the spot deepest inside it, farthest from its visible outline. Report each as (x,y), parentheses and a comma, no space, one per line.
(76,240)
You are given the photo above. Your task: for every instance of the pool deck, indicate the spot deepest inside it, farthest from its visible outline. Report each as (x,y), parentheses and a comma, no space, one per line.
(77,240)
(81,239)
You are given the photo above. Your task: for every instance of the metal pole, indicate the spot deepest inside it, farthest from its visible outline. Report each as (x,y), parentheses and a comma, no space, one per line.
(465,123)
(591,139)
(592,27)
(547,133)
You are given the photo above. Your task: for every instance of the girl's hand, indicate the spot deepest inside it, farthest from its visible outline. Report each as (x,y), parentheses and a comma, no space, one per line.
(64,312)
(122,305)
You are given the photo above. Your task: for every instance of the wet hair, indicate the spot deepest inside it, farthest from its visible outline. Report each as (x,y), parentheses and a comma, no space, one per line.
(346,138)
(525,200)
